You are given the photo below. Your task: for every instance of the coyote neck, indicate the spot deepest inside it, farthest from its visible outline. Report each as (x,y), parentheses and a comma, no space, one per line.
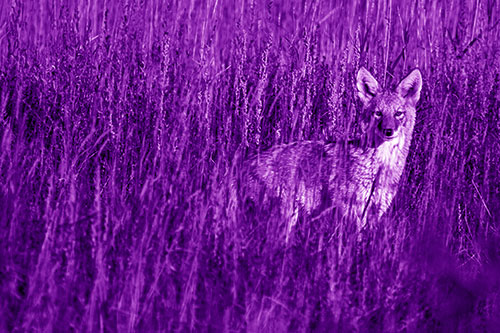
(390,158)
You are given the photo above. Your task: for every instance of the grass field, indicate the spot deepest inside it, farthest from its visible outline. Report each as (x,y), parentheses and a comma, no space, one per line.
(119,123)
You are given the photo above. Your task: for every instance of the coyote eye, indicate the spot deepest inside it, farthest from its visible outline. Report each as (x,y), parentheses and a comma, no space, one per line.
(378,114)
(398,114)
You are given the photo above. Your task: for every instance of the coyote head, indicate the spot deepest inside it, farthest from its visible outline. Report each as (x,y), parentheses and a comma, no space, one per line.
(388,113)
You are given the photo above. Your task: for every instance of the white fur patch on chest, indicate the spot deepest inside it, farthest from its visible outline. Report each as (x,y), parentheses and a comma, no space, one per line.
(389,153)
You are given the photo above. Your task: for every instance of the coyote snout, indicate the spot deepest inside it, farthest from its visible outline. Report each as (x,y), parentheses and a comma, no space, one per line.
(356,178)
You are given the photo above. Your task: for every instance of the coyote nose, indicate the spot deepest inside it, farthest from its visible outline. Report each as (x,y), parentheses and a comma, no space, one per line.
(388,132)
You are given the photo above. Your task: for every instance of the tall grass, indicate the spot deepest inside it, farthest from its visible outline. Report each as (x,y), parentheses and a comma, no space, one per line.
(120,122)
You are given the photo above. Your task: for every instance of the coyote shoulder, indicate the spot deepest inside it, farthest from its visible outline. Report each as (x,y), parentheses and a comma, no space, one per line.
(358,178)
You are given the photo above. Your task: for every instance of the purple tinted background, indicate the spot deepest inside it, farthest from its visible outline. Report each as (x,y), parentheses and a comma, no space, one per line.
(119,123)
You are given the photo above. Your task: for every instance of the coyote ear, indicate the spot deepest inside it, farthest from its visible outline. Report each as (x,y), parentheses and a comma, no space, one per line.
(409,87)
(367,85)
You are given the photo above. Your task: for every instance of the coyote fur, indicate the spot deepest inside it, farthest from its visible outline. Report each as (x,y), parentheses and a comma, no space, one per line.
(356,178)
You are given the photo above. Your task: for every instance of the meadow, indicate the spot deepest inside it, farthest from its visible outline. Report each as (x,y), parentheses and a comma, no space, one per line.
(119,126)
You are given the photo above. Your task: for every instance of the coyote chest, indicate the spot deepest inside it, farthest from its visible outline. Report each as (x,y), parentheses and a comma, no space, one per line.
(374,179)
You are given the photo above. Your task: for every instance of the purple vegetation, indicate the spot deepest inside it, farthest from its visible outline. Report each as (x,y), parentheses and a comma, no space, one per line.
(119,126)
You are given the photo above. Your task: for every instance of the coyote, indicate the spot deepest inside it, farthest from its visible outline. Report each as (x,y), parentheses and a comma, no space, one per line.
(357,179)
